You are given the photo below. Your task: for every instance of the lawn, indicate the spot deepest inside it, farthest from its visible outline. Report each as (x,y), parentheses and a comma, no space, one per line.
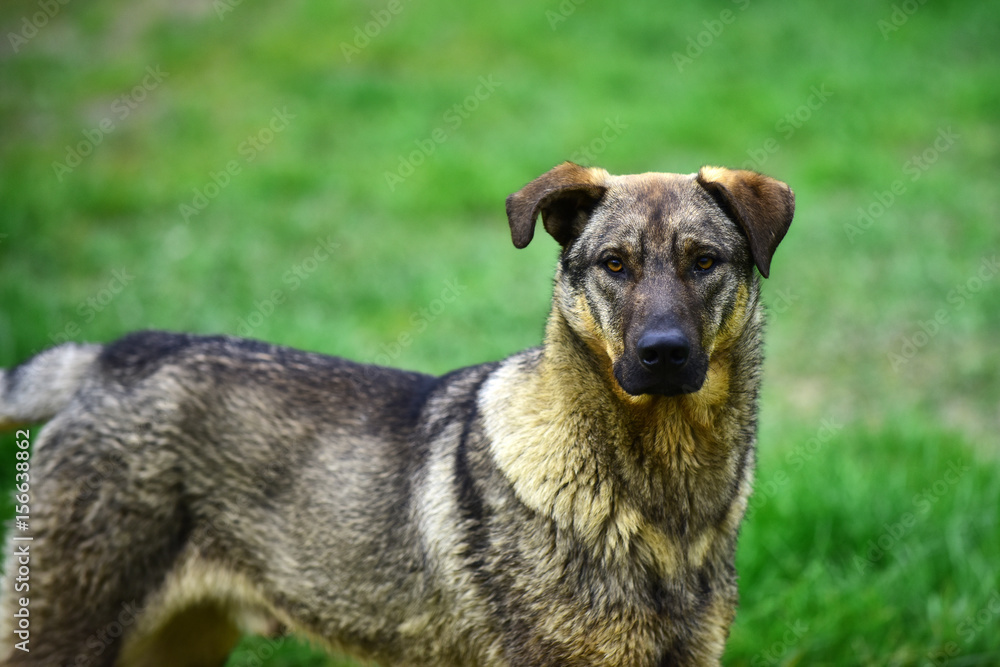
(319,174)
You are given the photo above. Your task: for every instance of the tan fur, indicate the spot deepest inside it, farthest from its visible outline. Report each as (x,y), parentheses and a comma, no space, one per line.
(214,600)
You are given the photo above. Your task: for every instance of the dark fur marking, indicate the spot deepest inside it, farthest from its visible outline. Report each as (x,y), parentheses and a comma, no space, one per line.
(138,354)
(471,505)
(733,489)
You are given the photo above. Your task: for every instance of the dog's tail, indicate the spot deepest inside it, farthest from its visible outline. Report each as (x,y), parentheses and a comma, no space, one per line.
(43,385)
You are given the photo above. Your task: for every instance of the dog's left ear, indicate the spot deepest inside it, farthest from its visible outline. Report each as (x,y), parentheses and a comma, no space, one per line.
(564,195)
(761,205)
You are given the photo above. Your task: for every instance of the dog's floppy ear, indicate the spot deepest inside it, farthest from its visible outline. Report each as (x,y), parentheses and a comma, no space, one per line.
(564,196)
(761,205)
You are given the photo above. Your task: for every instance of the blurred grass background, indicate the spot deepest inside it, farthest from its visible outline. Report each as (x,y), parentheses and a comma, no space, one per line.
(318,174)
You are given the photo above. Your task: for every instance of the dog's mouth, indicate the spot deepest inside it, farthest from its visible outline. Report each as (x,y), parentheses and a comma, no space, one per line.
(639,383)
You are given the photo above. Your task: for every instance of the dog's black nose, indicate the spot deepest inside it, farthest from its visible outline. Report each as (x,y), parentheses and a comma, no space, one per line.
(662,350)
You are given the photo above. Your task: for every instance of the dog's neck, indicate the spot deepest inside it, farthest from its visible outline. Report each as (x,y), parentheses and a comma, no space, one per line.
(575,446)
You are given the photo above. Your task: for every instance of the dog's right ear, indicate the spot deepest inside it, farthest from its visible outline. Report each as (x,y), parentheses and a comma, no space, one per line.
(564,196)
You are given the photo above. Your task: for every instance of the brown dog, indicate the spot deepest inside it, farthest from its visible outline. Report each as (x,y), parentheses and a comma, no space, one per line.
(575,504)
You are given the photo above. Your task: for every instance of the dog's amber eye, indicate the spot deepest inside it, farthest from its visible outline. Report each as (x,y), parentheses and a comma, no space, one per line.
(705,263)
(614,265)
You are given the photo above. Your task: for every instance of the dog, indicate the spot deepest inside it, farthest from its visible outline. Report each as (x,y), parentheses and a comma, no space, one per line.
(574,504)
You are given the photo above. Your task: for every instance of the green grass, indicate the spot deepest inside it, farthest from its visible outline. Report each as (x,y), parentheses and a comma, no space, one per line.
(862,410)
(878,545)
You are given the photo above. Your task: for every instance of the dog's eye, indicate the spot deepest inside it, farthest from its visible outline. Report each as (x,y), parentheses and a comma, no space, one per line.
(614,264)
(704,263)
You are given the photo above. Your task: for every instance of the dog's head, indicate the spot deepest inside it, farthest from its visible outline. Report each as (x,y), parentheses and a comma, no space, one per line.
(656,269)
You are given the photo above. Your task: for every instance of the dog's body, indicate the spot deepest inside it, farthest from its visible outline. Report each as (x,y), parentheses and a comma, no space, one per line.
(575,504)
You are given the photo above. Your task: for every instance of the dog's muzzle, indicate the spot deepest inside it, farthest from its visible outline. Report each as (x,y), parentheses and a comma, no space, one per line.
(662,362)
